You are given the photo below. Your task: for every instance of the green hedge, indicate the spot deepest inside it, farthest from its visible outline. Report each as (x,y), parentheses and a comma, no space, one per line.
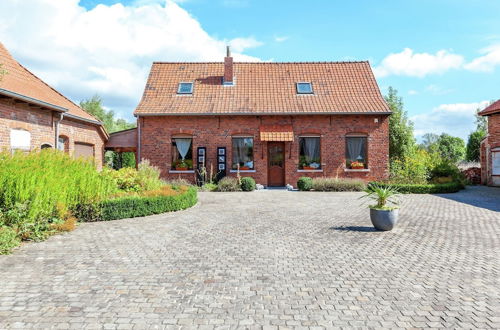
(305,183)
(437,188)
(139,206)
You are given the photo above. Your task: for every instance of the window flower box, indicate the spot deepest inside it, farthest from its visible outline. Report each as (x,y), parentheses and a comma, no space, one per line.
(244,168)
(309,168)
(179,168)
(357,166)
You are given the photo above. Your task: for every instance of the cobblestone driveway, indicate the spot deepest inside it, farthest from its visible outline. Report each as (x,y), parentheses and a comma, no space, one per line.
(271,259)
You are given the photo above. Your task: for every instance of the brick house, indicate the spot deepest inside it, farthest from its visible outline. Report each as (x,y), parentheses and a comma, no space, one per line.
(35,116)
(274,122)
(490,146)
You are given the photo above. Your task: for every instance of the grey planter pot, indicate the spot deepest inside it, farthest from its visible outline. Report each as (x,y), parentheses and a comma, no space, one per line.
(383,219)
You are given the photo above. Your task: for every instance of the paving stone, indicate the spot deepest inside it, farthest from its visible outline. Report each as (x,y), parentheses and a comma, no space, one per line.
(266,260)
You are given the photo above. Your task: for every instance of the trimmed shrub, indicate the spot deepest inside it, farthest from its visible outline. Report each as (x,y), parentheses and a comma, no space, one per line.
(304,183)
(8,240)
(247,184)
(437,188)
(228,184)
(147,204)
(334,184)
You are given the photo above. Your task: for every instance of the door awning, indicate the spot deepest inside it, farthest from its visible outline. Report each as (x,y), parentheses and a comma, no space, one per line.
(276,133)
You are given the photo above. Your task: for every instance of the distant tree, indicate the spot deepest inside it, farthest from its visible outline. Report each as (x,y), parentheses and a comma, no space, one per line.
(401,140)
(481,121)
(429,142)
(472,152)
(94,106)
(451,148)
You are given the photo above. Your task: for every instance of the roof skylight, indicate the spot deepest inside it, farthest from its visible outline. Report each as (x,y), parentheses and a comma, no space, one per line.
(185,88)
(304,88)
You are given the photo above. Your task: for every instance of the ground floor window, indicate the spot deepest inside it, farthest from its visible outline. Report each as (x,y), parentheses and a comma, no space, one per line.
(182,154)
(356,152)
(495,162)
(20,139)
(242,153)
(309,153)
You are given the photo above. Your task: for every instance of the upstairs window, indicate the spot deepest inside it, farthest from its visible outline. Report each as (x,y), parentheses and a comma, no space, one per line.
(309,153)
(185,88)
(356,152)
(304,88)
(182,153)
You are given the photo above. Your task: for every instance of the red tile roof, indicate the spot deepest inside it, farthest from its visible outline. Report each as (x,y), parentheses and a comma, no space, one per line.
(491,109)
(19,82)
(262,88)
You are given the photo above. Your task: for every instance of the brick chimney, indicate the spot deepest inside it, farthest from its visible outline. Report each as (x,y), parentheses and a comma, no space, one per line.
(228,68)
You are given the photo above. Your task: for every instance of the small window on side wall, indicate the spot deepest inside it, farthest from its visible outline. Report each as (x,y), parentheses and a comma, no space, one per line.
(242,153)
(356,152)
(304,88)
(20,139)
(185,88)
(309,153)
(182,154)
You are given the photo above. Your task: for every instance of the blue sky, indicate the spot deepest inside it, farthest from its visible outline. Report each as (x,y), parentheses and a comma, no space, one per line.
(443,56)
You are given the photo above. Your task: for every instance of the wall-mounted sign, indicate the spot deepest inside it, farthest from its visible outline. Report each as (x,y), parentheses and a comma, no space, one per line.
(201,176)
(221,162)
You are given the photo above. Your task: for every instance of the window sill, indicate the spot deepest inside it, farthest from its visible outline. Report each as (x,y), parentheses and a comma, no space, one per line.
(242,171)
(310,171)
(174,171)
(356,170)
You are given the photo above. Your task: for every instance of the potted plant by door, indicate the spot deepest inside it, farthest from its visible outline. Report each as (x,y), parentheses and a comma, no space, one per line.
(383,214)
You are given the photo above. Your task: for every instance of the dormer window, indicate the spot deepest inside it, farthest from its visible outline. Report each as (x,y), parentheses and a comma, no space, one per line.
(304,88)
(185,88)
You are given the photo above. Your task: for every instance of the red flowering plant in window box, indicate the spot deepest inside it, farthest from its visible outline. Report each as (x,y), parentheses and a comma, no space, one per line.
(357,165)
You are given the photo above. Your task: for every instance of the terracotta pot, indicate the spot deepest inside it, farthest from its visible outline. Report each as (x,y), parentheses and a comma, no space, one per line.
(244,168)
(181,168)
(357,167)
(309,168)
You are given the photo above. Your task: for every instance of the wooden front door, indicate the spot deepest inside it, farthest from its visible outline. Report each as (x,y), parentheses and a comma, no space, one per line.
(276,164)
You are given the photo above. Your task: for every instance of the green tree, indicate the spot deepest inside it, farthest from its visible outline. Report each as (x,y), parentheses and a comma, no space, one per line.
(429,142)
(481,121)
(472,152)
(401,140)
(451,148)
(94,106)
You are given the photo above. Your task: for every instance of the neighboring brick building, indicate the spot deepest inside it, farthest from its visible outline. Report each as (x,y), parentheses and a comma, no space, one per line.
(490,146)
(275,121)
(35,116)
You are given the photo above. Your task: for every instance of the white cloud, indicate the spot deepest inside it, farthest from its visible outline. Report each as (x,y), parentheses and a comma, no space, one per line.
(438,90)
(109,49)
(408,63)
(281,38)
(412,92)
(487,62)
(456,119)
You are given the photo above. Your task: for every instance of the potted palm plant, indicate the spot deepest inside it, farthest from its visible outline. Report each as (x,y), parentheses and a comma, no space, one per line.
(383,214)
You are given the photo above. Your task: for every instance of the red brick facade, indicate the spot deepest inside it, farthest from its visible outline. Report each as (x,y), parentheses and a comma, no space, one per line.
(156,134)
(490,145)
(41,124)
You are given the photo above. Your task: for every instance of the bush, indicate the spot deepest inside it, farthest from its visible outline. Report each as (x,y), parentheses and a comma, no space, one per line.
(149,203)
(42,186)
(304,183)
(247,184)
(443,188)
(146,177)
(228,184)
(208,187)
(8,240)
(414,169)
(334,184)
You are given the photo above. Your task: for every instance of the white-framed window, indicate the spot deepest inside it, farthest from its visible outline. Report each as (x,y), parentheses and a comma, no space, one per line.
(309,153)
(356,152)
(242,153)
(20,139)
(495,162)
(182,153)
(185,88)
(304,88)
(61,143)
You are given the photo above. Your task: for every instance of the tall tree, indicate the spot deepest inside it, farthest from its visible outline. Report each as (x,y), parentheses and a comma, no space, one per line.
(401,140)
(472,153)
(451,148)
(429,142)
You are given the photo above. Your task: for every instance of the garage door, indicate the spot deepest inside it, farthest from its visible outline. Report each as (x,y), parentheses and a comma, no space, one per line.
(83,150)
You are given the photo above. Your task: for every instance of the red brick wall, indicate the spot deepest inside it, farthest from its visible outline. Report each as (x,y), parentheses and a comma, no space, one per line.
(41,125)
(216,131)
(492,141)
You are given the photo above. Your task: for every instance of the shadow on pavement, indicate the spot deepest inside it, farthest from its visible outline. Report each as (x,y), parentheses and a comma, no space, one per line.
(356,228)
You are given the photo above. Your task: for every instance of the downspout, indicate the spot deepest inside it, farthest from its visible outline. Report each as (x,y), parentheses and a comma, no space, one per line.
(138,160)
(58,120)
